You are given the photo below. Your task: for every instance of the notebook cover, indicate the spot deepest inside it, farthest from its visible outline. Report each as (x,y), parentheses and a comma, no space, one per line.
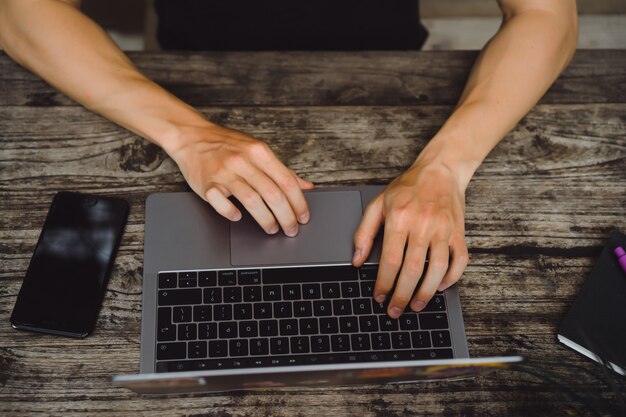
(596,320)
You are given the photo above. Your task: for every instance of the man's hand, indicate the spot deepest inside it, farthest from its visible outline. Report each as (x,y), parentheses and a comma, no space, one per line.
(218,162)
(423,212)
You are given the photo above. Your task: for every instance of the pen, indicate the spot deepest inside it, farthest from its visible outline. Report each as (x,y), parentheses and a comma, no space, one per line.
(621,257)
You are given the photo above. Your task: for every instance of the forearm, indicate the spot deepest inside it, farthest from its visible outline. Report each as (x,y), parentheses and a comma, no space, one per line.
(510,75)
(56,41)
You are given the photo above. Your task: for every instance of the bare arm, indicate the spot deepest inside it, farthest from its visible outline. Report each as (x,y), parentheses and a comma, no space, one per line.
(423,209)
(56,41)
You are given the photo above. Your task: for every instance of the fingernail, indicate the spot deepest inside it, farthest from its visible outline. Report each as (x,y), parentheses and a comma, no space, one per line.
(236,217)
(395,312)
(418,305)
(292,232)
(273,230)
(303,219)
(380,298)
(357,255)
(442,287)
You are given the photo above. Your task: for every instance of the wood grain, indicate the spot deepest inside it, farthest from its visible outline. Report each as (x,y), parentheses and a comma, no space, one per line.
(327,78)
(538,212)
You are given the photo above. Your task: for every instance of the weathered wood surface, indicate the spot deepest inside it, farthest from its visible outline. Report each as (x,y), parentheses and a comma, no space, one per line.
(327,79)
(538,212)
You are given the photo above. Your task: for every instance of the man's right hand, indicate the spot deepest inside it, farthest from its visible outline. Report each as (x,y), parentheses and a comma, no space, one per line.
(218,162)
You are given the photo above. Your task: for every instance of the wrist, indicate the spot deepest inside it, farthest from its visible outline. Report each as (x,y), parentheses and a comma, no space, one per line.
(456,152)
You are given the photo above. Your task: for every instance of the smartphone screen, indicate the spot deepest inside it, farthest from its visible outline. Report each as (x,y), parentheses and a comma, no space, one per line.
(67,276)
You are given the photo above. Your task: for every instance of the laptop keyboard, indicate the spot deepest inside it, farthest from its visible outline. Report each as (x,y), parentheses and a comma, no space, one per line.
(247,318)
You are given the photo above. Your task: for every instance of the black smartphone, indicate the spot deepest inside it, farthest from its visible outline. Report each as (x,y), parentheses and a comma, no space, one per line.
(67,275)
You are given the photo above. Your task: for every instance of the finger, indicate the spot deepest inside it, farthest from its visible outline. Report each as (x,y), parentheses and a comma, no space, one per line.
(304,184)
(284,178)
(394,240)
(367,231)
(410,274)
(437,267)
(221,204)
(274,198)
(253,202)
(460,258)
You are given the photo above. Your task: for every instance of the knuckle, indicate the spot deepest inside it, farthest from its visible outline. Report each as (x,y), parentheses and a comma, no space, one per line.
(392,260)
(288,182)
(274,196)
(413,268)
(258,149)
(250,199)
(438,265)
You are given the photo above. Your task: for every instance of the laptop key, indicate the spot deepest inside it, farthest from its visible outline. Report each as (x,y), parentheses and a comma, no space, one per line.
(320,344)
(350,289)
(187,279)
(187,331)
(243,311)
(166,330)
(367,289)
(302,309)
(197,350)
(430,321)
(340,342)
(279,345)
(360,341)
(329,325)
(331,290)
(437,303)
(362,306)
(167,351)
(368,323)
(282,310)
(167,280)
(291,292)
(309,326)
(180,297)
(207,331)
(401,340)
(420,340)
(380,341)
(228,330)
(201,313)
(238,347)
(225,278)
(408,321)
(368,272)
(248,329)
(218,348)
(441,338)
(249,277)
(387,323)
(262,310)
(212,295)
(271,293)
(252,293)
(232,294)
(310,274)
(311,291)
(259,347)
(207,278)
(181,314)
(348,324)
(288,327)
(300,344)
(322,308)
(268,328)
(342,307)
(223,312)
(379,308)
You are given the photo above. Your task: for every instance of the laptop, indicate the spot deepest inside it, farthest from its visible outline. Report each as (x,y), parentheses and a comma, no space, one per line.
(228,307)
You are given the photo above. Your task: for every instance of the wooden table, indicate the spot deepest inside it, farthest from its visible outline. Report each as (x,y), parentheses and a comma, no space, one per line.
(538,212)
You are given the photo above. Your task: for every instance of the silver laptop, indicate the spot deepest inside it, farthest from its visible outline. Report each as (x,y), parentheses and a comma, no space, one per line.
(228,307)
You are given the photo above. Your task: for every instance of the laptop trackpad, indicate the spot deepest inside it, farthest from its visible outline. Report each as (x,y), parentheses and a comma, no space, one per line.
(328,237)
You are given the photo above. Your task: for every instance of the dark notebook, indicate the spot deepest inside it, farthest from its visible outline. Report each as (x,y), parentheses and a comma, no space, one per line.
(595,325)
